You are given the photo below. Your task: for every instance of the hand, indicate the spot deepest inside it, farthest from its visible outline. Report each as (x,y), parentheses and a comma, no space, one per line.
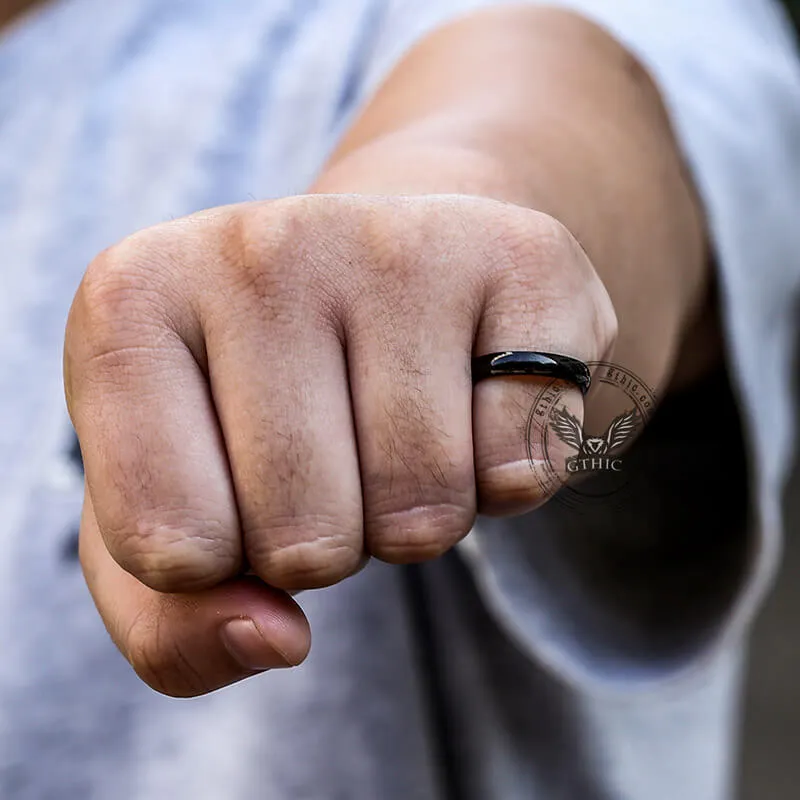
(285,386)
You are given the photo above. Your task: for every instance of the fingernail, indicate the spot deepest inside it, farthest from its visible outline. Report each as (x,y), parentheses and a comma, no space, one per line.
(245,642)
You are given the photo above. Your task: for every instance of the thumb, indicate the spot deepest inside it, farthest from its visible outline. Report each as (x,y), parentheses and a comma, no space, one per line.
(185,645)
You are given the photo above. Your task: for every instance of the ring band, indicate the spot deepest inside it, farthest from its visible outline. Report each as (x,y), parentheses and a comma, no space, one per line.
(526,362)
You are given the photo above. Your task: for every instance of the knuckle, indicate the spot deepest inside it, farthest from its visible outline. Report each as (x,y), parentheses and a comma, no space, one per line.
(119,278)
(158,659)
(420,533)
(279,261)
(174,558)
(120,304)
(421,493)
(288,559)
(526,237)
(254,253)
(553,281)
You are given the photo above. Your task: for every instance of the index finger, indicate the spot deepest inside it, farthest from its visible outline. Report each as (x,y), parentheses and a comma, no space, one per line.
(155,461)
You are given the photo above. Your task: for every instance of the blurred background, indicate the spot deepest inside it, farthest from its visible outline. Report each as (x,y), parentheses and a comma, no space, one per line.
(770,766)
(770,752)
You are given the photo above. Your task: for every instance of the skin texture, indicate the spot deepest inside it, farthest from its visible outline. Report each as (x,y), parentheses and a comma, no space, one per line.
(284,386)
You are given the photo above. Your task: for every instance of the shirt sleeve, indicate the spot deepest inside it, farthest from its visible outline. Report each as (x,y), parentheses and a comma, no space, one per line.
(728,73)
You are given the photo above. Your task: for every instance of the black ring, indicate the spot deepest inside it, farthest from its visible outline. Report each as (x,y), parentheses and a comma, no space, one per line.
(525,362)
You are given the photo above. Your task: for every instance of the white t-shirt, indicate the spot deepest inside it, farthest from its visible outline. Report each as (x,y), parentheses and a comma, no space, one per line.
(569,656)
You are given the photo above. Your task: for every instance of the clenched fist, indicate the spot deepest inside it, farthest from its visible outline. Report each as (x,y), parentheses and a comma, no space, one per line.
(269,394)
(286,385)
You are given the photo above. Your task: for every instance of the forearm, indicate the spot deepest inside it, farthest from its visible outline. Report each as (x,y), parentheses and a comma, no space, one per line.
(540,108)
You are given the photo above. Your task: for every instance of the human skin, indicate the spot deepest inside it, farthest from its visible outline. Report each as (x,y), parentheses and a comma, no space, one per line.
(283,387)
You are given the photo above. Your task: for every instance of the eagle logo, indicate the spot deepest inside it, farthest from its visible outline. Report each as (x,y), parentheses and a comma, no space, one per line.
(567,427)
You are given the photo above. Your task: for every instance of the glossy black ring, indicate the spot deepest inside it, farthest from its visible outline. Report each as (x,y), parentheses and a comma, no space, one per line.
(527,362)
